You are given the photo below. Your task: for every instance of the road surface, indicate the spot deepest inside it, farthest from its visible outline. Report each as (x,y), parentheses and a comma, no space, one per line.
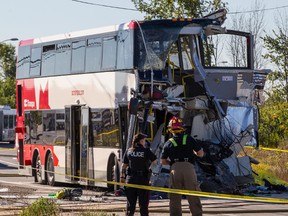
(16,192)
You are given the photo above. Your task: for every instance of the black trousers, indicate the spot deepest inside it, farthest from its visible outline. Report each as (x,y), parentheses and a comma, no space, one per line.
(134,193)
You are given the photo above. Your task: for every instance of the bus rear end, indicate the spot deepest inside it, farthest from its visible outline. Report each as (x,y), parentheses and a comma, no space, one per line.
(7,124)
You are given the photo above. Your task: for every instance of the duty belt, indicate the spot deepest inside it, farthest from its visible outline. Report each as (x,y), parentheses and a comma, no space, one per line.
(139,172)
(190,160)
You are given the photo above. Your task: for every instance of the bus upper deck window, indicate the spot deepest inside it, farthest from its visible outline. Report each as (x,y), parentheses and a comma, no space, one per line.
(11,122)
(6,124)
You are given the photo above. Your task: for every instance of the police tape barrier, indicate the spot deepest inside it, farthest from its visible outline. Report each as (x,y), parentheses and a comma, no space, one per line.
(268,149)
(178,191)
(259,148)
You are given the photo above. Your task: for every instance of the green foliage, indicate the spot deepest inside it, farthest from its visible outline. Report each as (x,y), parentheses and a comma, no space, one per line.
(42,207)
(278,54)
(7,75)
(274,113)
(263,173)
(163,9)
(8,92)
(273,124)
(7,60)
(272,166)
(277,47)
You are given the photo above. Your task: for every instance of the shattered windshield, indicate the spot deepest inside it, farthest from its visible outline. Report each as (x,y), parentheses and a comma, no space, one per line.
(158,42)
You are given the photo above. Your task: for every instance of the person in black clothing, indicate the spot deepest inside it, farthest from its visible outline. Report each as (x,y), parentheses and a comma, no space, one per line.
(180,153)
(137,159)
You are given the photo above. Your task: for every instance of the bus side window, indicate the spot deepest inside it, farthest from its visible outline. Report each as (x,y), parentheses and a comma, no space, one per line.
(93,55)
(109,52)
(49,121)
(48,60)
(35,63)
(11,122)
(23,62)
(34,126)
(60,121)
(124,50)
(78,57)
(28,127)
(60,128)
(63,58)
(6,123)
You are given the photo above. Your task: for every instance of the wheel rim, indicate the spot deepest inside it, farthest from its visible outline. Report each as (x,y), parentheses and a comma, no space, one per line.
(50,168)
(38,170)
(112,175)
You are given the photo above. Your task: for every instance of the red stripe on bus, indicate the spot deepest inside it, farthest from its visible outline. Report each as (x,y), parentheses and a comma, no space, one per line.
(132,25)
(26,42)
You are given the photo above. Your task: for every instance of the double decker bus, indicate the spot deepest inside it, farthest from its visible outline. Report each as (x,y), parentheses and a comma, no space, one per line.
(7,124)
(82,95)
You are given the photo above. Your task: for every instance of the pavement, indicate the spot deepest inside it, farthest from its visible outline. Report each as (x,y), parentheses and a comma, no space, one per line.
(92,201)
(210,207)
(13,199)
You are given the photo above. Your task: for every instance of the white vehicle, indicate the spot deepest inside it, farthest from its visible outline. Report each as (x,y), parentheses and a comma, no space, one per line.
(81,96)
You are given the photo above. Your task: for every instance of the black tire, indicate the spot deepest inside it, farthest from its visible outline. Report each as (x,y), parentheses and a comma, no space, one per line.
(113,173)
(38,170)
(50,176)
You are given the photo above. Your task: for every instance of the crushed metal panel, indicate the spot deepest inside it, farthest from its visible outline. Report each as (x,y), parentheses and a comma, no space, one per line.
(215,101)
(223,85)
(241,169)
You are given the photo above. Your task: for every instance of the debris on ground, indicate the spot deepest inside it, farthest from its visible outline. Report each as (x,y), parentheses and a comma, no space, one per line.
(70,194)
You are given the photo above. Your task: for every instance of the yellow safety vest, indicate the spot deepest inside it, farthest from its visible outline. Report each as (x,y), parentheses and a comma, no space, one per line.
(183,141)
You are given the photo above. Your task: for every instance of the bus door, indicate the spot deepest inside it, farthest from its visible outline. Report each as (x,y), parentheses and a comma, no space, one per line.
(124,124)
(84,143)
(72,142)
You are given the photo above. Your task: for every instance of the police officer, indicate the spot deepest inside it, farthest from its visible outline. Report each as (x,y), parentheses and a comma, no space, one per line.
(137,159)
(180,152)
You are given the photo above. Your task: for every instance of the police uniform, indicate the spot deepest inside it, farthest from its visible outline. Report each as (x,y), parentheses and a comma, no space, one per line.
(138,160)
(179,150)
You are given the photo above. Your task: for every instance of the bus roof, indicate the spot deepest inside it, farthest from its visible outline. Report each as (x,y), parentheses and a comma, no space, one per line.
(131,25)
(5,107)
(80,33)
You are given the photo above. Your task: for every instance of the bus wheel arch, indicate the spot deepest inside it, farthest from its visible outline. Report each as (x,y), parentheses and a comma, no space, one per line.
(37,168)
(113,172)
(49,167)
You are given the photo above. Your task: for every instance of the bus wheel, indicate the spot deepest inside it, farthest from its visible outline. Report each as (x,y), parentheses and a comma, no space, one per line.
(38,170)
(50,176)
(113,173)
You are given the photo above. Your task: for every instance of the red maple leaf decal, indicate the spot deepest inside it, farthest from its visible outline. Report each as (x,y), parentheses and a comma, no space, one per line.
(43,98)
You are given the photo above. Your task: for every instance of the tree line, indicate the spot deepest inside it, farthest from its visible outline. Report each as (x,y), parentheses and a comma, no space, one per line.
(273,131)
(7,75)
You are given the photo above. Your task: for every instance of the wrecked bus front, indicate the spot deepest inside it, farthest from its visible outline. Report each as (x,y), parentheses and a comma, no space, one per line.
(202,72)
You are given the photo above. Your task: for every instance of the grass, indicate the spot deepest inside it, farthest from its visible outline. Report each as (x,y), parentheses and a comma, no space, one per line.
(41,207)
(273,166)
(49,207)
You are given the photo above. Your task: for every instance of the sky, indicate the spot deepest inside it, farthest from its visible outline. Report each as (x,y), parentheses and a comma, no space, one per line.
(27,19)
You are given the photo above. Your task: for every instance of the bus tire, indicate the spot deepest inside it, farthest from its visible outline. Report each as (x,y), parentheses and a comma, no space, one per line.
(113,173)
(38,170)
(49,174)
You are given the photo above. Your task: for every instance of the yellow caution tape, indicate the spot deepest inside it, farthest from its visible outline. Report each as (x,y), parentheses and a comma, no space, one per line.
(202,194)
(178,191)
(268,149)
